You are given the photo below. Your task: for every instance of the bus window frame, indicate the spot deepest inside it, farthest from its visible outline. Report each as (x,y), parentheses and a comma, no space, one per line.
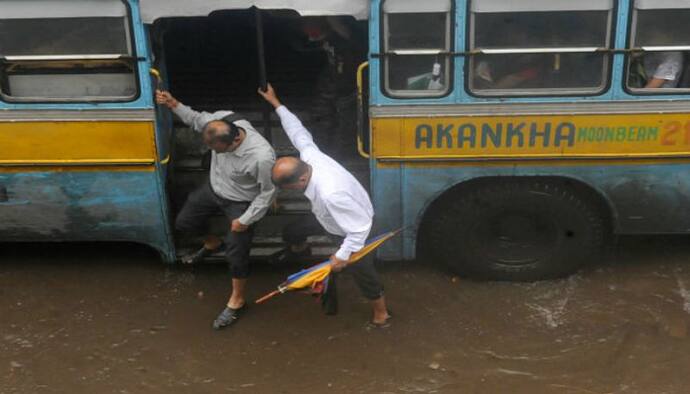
(133,57)
(607,69)
(447,56)
(629,43)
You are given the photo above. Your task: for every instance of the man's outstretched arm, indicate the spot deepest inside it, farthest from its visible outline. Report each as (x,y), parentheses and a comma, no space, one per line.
(193,119)
(295,130)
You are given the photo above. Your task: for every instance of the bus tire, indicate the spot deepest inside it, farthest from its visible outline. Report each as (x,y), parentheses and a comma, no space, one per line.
(516,230)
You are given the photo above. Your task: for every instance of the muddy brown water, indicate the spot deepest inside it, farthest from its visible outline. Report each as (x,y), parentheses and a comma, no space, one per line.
(112,319)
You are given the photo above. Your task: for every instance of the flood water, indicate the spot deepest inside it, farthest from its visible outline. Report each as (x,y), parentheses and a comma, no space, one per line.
(113,319)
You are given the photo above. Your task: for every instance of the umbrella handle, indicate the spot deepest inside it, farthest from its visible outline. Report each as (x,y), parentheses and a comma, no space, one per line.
(268,296)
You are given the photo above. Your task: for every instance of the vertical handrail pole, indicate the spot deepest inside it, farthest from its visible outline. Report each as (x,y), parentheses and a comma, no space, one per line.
(260,49)
(263,80)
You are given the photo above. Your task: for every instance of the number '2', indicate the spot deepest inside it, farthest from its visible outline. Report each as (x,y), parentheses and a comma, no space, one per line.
(671,129)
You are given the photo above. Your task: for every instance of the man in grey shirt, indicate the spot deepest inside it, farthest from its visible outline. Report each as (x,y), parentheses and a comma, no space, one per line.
(240,186)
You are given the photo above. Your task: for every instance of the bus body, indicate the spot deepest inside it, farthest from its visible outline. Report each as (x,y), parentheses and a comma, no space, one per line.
(536,138)
(508,139)
(82,157)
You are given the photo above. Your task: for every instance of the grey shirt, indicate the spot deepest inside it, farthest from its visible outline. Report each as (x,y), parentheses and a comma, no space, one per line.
(241,175)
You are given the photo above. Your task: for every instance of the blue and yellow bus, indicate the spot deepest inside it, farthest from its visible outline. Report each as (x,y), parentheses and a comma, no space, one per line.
(514,137)
(510,139)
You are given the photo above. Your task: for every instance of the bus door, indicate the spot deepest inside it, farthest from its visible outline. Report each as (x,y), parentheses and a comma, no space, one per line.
(311,53)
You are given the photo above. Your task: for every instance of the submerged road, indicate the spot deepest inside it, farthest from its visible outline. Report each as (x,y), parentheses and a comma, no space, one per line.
(113,319)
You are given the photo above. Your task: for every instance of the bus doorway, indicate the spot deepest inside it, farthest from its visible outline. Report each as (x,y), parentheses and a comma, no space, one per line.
(212,65)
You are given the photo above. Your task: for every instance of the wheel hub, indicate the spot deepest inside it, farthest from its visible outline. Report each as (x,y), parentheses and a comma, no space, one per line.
(518,237)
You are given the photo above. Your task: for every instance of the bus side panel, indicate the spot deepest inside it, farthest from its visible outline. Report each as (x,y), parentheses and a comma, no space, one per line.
(387,197)
(646,198)
(422,185)
(73,179)
(83,206)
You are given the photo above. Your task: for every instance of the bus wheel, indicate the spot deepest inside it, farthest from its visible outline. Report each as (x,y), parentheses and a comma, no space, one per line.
(518,230)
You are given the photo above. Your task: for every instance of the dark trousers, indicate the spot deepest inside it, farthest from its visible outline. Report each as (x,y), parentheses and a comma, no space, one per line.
(202,204)
(363,271)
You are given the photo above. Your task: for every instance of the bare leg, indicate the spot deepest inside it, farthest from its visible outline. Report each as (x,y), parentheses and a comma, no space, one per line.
(237,300)
(380,310)
(235,305)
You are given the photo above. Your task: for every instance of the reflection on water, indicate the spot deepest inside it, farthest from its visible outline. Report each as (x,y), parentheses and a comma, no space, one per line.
(113,319)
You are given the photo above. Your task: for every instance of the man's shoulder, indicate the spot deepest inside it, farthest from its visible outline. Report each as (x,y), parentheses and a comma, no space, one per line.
(258,146)
(217,115)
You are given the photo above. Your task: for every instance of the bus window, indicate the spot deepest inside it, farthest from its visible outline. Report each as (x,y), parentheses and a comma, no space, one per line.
(417,41)
(539,47)
(76,50)
(659,35)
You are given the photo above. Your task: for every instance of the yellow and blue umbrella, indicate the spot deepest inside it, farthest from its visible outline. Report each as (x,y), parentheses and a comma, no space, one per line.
(316,277)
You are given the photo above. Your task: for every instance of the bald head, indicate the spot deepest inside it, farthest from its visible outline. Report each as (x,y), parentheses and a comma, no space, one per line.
(290,173)
(221,136)
(216,130)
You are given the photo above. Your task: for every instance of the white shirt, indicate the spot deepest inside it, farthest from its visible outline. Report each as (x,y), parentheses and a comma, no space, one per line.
(338,200)
(664,65)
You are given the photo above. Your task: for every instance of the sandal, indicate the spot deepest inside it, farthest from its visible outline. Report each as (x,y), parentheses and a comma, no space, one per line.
(371,325)
(201,254)
(228,317)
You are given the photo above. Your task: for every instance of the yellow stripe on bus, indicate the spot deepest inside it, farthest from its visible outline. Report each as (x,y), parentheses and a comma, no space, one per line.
(561,162)
(90,168)
(77,143)
(532,136)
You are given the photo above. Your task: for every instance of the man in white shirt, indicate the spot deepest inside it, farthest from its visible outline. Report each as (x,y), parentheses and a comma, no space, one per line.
(240,186)
(663,69)
(339,203)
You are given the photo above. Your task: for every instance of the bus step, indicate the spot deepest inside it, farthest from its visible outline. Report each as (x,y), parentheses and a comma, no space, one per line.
(265,247)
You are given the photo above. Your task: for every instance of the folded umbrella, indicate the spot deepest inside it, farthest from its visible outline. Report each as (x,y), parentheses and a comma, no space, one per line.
(316,277)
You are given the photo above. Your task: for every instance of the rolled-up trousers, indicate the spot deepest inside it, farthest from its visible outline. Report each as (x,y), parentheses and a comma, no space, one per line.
(202,204)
